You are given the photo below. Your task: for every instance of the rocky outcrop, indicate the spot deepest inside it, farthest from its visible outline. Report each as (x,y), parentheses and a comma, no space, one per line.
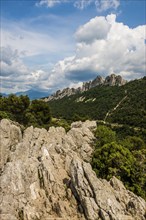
(111,80)
(114,80)
(47,175)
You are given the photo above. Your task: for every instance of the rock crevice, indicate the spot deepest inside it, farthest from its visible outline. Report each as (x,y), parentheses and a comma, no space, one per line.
(47,175)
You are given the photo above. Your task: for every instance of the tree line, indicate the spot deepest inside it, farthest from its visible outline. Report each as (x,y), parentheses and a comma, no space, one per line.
(24,111)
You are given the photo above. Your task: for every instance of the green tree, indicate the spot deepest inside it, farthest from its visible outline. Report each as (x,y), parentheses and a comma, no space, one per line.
(104,135)
(38,114)
(113,159)
(15,107)
(133,143)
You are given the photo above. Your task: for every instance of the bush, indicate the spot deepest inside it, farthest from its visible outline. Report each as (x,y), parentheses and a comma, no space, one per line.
(104,135)
(124,159)
(113,160)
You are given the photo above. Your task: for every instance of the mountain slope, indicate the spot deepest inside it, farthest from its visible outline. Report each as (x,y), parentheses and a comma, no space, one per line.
(125,104)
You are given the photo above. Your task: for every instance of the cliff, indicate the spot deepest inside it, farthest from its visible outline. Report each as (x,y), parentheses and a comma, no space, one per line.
(111,80)
(47,175)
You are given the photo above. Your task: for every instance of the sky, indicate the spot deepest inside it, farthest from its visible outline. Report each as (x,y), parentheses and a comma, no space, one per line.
(53,44)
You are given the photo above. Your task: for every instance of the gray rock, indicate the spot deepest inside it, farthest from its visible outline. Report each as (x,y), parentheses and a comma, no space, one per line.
(111,80)
(114,80)
(47,175)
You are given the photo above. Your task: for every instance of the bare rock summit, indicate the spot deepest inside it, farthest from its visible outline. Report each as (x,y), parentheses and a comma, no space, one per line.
(111,80)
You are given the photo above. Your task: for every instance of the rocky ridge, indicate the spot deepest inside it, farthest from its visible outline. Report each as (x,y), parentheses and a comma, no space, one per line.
(46,175)
(111,80)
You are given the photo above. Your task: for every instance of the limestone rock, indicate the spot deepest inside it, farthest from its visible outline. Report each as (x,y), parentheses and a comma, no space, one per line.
(114,80)
(47,175)
(111,80)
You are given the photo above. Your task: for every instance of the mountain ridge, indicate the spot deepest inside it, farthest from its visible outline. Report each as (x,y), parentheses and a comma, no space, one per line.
(111,80)
(124,104)
(31,93)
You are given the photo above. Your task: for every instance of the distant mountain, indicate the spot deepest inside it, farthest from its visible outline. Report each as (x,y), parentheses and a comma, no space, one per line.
(124,104)
(4,94)
(34,94)
(111,80)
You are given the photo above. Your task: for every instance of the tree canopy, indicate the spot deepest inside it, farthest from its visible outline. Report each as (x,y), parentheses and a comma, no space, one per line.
(20,109)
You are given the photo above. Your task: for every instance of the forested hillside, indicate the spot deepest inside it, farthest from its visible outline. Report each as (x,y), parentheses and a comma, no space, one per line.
(115,104)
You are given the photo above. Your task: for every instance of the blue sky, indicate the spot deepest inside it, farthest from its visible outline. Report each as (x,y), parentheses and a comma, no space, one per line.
(52,44)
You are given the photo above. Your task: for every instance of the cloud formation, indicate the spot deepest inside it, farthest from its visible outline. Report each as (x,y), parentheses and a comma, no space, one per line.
(104,5)
(101,5)
(50,3)
(15,75)
(111,47)
(103,46)
(96,29)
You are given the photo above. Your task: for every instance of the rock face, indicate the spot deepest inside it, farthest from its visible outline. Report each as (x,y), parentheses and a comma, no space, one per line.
(46,175)
(111,80)
(114,80)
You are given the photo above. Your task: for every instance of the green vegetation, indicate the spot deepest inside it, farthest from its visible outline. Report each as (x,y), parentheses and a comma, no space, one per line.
(20,109)
(120,147)
(102,99)
(60,123)
(38,114)
(124,158)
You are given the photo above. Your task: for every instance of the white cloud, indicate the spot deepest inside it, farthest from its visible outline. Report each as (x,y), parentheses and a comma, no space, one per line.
(10,62)
(29,53)
(101,5)
(103,46)
(119,49)
(15,75)
(95,29)
(49,3)
(81,4)
(104,5)
(30,42)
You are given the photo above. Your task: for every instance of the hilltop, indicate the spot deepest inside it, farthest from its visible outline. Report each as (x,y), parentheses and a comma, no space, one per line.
(123,104)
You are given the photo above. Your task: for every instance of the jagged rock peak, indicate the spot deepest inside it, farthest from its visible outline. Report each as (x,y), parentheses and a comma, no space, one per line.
(111,80)
(47,175)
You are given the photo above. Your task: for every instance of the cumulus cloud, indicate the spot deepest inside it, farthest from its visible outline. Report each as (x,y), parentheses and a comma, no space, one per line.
(95,29)
(112,47)
(103,46)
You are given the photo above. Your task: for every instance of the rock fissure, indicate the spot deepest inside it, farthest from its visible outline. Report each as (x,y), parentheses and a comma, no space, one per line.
(49,177)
